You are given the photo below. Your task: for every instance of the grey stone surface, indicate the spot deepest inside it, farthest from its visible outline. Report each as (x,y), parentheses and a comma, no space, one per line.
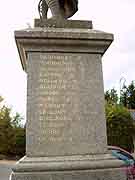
(67,163)
(65,95)
(95,167)
(61,40)
(63,23)
(104,174)
(66,127)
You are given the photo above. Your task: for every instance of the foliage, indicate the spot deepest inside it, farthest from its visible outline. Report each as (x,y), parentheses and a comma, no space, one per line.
(16,121)
(19,139)
(111,96)
(6,133)
(1,99)
(127,98)
(12,134)
(120,127)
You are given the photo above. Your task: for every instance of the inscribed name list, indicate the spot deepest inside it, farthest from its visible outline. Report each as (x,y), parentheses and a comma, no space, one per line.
(64,84)
(64,102)
(58,86)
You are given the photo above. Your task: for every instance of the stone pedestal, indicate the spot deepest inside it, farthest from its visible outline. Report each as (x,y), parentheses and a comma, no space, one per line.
(66,127)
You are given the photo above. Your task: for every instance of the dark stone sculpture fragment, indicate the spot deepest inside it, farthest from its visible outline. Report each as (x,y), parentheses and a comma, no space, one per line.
(60,9)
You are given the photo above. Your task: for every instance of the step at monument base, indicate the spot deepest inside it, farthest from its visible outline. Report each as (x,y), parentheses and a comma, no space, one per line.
(93,167)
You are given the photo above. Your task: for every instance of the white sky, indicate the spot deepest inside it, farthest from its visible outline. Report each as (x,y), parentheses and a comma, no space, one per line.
(113,16)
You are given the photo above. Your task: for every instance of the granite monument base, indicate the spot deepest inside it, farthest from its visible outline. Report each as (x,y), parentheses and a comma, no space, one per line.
(94,167)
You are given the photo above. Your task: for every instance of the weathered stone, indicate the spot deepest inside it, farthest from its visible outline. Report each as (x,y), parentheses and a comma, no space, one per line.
(95,167)
(66,127)
(61,40)
(63,23)
(98,167)
(65,95)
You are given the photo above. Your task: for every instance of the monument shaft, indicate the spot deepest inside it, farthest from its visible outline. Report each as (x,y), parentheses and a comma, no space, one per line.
(66,94)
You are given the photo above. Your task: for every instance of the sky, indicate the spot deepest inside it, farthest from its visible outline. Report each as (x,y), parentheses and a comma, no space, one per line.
(113,16)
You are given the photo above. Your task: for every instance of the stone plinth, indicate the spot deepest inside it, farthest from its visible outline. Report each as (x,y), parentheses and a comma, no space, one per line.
(48,23)
(66,127)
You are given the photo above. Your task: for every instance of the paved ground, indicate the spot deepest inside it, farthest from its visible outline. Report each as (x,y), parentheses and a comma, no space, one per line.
(5,169)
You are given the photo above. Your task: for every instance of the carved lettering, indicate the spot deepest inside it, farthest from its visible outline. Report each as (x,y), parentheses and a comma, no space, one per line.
(57,87)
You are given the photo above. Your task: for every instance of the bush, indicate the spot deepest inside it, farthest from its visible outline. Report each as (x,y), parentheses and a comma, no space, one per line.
(120,127)
(12,134)
(19,142)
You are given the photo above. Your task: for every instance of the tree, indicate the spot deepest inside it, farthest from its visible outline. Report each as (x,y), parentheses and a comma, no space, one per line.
(120,127)
(6,130)
(123,96)
(131,96)
(12,134)
(16,120)
(127,98)
(20,141)
(111,96)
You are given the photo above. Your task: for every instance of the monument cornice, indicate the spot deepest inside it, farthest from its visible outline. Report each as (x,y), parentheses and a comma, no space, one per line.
(61,40)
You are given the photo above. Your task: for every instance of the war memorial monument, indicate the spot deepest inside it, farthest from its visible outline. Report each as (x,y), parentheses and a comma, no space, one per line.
(66,127)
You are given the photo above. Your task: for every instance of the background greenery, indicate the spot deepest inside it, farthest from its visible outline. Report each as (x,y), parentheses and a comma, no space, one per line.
(120,124)
(12,132)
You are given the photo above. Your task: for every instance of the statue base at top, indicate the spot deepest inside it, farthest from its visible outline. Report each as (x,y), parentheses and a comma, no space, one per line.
(48,23)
